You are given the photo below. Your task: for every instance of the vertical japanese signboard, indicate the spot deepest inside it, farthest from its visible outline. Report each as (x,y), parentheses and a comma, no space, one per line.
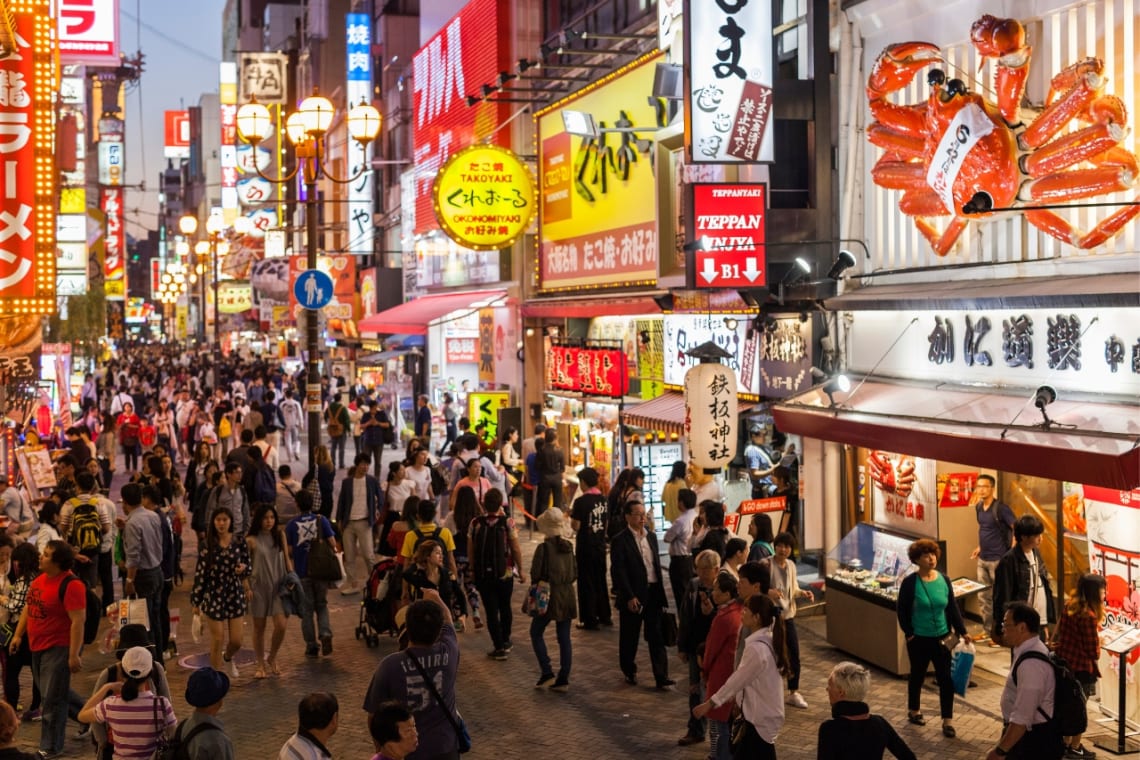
(358,89)
(471,49)
(729,218)
(711,417)
(728,101)
(27,213)
(227,96)
(598,230)
(115,243)
(88,31)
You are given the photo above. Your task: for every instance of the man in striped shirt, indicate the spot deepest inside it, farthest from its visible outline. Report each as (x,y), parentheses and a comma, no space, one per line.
(317,718)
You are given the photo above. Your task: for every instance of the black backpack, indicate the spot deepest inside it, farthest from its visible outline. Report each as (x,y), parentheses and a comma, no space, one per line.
(433,536)
(264,486)
(1069,717)
(178,746)
(438,481)
(488,549)
(94,608)
(86,529)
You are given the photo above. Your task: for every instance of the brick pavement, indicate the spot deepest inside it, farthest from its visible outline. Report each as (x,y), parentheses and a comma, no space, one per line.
(600,717)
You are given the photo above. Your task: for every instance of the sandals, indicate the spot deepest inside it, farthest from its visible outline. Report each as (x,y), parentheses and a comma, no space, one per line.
(273,667)
(260,672)
(948,731)
(916,718)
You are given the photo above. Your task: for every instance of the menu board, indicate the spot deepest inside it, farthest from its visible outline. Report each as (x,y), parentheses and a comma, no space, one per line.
(656,461)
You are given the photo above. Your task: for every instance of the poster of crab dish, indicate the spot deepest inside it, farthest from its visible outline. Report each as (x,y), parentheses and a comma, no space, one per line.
(1112,520)
(1025,121)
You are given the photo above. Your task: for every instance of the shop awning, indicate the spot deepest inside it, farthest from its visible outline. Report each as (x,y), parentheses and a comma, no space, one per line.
(414,316)
(594,306)
(666,412)
(1085,291)
(1094,443)
(379,357)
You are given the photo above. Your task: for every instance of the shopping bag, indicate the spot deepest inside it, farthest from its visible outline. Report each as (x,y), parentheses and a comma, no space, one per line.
(133,611)
(343,574)
(962,666)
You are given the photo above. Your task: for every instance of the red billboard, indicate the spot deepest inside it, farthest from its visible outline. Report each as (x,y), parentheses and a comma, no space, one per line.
(177,134)
(468,52)
(27,209)
(730,219)
(115,244)
(592,371)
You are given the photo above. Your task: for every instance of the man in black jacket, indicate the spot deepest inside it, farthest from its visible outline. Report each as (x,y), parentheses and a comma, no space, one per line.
(1021,576)
(640,595)
(550,463)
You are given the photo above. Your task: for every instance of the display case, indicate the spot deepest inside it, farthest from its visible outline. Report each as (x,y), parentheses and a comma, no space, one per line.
(864,573)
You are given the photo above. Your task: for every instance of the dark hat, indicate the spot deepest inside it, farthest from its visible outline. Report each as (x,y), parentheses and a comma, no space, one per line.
(206,687)
(132,635)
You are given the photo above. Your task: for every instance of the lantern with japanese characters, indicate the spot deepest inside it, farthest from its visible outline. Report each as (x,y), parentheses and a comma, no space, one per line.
(711,414)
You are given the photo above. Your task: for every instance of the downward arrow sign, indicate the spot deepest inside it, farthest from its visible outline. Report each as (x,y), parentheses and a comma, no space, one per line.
(709,272)
(750,270)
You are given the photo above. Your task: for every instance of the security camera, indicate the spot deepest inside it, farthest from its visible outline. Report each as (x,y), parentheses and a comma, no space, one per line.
(1044,396)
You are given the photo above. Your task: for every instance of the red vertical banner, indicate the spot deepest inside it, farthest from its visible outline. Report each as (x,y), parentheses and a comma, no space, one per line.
(28,200)
(115,243)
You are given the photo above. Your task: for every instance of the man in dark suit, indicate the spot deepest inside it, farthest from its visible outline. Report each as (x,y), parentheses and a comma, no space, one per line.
(639,586)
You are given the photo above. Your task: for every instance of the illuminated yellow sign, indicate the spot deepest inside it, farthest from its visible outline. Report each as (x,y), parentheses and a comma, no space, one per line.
(484,197)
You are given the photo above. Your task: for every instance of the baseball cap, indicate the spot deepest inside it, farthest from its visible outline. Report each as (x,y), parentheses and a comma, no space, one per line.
(137,662)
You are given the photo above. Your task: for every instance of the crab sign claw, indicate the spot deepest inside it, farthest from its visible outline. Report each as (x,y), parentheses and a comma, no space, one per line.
(897,65)
(1004,39)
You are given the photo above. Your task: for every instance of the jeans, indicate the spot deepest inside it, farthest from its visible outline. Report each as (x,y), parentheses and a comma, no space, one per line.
(336,448)
(630,625)
(593,597)
(357,537)
(923,650)
(986,570)
(52,674)
(316,600)
(148,585)
(793,639)
(292,442)
(562,629)
(496,593)
(696,696)
(721,731)
(375,450)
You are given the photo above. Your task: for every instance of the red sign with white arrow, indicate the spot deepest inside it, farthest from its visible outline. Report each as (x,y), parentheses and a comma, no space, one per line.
(729,218)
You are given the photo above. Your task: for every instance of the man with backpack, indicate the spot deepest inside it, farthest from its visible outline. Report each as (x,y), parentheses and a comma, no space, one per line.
(84,521)
(301,532)
(259,481)
(202,736)
(588,518)
(229,493)
(494,555)
(427,530)
(995,538)
(337,423)
(1029,705)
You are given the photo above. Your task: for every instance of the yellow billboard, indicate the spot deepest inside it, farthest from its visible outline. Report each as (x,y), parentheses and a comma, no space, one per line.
(484,197)
(598,194)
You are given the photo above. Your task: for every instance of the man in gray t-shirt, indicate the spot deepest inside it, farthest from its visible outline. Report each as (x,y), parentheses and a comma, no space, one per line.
(432,644)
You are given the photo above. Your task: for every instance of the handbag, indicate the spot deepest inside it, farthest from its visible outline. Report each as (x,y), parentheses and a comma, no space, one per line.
(537,600)
(950,641)
(323,564)
(132,611)
(456,720)
(669,628)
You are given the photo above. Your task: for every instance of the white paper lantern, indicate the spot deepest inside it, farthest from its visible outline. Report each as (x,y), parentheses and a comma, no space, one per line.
(711,415)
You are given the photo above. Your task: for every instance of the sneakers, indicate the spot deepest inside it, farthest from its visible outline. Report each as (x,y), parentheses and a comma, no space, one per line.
(508,646)
(560,686)
(326,645)
(32,715)
(544,679)
(234,672)
(347,590)
(478,623)
(498,654)
(312,651)
(664,685)
(43,754)
(1079,752)
(795,700)
(689,739)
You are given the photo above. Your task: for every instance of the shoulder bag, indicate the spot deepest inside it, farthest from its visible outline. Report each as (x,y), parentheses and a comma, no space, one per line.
(456,720)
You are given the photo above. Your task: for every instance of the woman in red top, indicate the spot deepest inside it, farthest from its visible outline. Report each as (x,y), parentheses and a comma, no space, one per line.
(1076,641)
(719,660)
(128,424)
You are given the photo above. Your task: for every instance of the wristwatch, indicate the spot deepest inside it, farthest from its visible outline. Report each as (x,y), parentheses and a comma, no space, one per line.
(1000,752)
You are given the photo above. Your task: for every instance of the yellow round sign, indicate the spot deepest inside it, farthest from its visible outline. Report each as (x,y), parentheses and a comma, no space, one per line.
(484,197)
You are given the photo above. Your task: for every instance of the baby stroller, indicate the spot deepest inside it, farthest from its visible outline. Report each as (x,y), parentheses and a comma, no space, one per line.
(381,599)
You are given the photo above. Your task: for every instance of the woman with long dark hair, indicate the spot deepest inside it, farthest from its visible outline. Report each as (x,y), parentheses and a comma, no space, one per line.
(326,477)
(271,564)
(1076,641)
(222,589)
(458,522)
(25,567)
(134,715)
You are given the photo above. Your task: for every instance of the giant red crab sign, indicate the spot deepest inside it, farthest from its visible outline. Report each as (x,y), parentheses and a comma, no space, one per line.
(958,155)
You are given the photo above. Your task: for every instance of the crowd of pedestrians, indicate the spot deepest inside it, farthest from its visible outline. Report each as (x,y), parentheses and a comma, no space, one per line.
(446,527)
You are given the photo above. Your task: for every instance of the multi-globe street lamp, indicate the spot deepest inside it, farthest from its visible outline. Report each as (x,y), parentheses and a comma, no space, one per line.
(307,128)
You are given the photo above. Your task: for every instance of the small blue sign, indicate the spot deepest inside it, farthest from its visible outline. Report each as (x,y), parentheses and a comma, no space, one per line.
(313,289)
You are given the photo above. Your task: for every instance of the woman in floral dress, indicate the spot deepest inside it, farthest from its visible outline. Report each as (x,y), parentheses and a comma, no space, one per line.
(222,589)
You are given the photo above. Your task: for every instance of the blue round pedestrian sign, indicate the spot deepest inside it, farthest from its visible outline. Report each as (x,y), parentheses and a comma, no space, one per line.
(313,289)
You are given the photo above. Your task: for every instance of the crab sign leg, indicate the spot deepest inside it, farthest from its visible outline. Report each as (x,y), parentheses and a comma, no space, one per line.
(1073,148)
(899,175)
(1058,113)
(1079,183)
(894,141)
(1054,225)
(942,243)
(1004,39)
(921,202)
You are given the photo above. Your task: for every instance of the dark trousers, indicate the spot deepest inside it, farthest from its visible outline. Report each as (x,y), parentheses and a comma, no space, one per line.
(680,573)
(1042,743)
(547,488)
(696,696)
(922,651)
(376,450)
(163,642)
(88,571)
(336,449)
(631,629)
(148,585)
(106,578)
(793,640)
(562,630)
(593,596)
(753,747)
(496,593)
(12,667)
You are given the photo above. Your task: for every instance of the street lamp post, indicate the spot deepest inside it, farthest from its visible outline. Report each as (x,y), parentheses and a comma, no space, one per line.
(188,225)
(214,226)
(307,128)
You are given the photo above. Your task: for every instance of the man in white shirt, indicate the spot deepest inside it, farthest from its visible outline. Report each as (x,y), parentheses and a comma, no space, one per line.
(678,535)
(317,721)
(1027,701)
(21,519)
(294,418)
(1021,575)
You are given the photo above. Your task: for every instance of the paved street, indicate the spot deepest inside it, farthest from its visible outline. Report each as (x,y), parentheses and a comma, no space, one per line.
(600,717)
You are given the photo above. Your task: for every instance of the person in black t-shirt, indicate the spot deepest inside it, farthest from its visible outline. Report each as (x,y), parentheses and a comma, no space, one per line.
(588,518)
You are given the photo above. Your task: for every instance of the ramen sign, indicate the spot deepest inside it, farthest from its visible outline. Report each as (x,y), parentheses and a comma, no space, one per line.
(484,197)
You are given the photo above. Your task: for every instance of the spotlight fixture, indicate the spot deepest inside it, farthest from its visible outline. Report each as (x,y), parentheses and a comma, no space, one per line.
(472,100)
(843,262)
(526,64)
(731,323)
(506,76)
(548,49)
(797,272)
(488,90)
(831,384)
(700,244)
(1043,397)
